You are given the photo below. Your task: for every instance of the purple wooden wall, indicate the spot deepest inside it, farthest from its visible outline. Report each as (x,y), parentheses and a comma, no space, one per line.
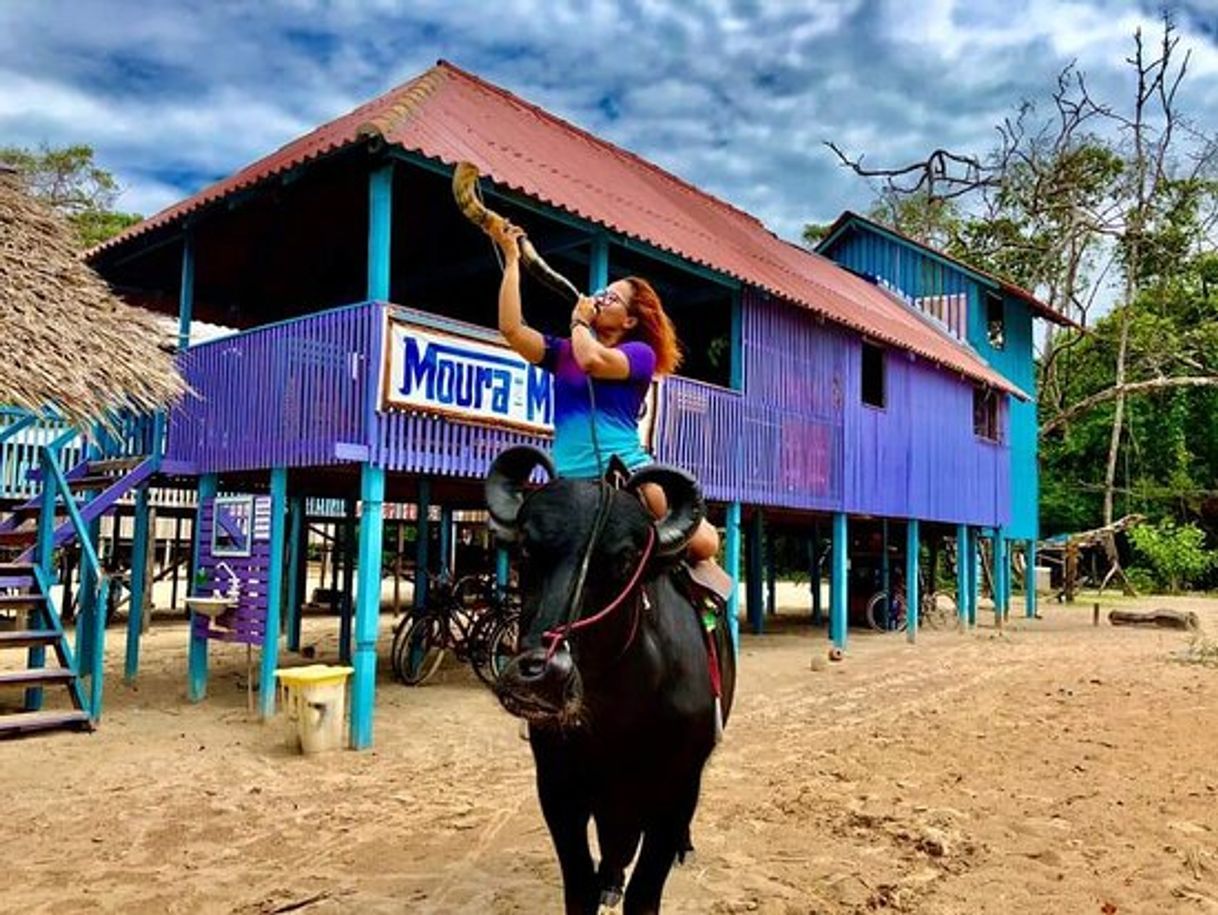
(798,436)
(286,395)
(246,623)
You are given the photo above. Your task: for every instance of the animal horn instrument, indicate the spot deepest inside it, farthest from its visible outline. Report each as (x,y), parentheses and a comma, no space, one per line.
(465,192)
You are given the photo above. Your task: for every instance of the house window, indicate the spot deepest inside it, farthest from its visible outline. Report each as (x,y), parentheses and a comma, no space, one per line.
(985,413)
(873,375)
(995,327)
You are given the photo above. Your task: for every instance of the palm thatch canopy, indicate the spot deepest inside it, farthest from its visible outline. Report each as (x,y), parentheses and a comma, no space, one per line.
(66,342)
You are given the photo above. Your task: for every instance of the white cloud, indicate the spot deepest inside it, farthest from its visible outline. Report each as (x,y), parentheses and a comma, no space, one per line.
(736,96)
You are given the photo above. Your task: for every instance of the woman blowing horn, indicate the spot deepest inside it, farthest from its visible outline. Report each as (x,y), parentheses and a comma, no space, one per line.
(620,338)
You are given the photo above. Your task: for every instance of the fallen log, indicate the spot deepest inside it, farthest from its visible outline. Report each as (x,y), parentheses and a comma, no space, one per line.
(1162,618)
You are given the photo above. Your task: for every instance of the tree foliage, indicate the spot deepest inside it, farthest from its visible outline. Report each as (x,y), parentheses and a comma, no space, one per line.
(1098,205)
(74,186)
(1176,553)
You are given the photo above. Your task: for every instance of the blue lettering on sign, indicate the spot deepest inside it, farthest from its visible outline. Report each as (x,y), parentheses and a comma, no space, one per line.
(540,401)
(454,376)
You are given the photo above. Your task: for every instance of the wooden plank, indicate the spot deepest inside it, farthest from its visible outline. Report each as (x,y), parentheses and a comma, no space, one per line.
(35,675)
(28,638)
(27,722)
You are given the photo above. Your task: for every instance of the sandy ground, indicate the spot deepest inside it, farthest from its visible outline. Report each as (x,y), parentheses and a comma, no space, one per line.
(1051,768)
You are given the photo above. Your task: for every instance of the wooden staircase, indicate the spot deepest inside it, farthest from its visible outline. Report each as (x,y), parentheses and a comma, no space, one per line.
(24,591)
(94,487)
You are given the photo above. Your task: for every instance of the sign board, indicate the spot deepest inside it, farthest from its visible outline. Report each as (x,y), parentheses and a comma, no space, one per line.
(472,380)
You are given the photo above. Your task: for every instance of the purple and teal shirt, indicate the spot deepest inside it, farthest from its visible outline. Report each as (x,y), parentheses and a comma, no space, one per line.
(617,409)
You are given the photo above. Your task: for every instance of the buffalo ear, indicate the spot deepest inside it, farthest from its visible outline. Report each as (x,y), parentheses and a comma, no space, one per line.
(685,506)
(505,483)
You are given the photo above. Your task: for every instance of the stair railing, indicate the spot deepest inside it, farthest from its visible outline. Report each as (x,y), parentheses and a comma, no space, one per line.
(56,486)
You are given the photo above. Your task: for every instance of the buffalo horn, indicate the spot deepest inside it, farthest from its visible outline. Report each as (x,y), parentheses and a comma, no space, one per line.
(505,485)
(685,506)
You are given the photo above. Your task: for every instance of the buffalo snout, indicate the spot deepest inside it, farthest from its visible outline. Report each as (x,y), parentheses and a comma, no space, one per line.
(541,686)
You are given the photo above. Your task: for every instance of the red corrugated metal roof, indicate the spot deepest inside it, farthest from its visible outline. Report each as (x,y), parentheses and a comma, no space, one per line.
(1037,306)
(450,115)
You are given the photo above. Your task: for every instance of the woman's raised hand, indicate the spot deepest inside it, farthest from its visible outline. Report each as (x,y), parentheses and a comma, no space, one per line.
(507,236)
(584,311)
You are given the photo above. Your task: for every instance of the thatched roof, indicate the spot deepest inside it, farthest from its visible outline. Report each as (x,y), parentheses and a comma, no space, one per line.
(66,341)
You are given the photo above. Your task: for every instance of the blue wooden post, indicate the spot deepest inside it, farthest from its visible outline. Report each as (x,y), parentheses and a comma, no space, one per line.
(36,656)
(503,569)
(186,291)
(771,575)
(274,591)
(912,597)
(446,538)
(196,685)
(139,571)
(1029,581)
(974,571)
(839,593)
(421,544)
(346,608)
(368,610)
(598,263)
(297,566)
(754,574)
(736,374)
(814,574)
(1001,577)
(885,574)
(86,603)
(962,573)
(380,225)
(731,548)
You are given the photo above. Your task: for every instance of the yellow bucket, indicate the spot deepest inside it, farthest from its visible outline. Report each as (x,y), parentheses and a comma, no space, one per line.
(315,705)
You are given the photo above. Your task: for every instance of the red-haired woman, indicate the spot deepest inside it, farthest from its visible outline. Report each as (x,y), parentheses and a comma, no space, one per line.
(622,338)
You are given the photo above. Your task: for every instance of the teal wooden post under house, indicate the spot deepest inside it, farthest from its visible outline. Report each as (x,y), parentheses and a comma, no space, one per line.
(139,573)
(771,576)
(974,571)
(753,572)
(1002,576)
(912,597)
(1029,581)
(446,538)
(598,263)
(814,575)
(347,606)
(186,290)
(731,550)
(86,603)
(962,575)
(297,566)
(503,569)
(196,684)
(839,593)
(368,608)
(380,226)
(274,591)
(885,573)
(422,545)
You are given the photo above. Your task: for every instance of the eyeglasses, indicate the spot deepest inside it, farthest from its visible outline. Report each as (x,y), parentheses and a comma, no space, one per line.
(607,297)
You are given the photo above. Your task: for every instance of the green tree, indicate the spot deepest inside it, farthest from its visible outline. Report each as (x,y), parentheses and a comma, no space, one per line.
(1176,553)
(74,186)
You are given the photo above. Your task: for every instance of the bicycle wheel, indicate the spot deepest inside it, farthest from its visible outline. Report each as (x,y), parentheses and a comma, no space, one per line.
(895,619)
(938,610)
(418,649)
(504,645)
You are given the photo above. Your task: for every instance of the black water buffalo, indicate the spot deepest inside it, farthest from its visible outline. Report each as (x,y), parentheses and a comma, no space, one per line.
(614,674)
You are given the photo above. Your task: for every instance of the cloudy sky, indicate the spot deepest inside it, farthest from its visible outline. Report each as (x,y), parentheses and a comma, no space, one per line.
(736,96)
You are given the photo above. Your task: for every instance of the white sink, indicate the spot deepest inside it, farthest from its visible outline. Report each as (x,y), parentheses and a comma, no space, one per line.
(211,606)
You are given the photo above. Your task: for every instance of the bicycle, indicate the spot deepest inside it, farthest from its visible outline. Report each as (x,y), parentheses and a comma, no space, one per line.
(936,609)
(473,618)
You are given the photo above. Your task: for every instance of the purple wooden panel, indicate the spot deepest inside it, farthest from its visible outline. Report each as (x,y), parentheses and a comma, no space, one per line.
(245,623)
(282,395)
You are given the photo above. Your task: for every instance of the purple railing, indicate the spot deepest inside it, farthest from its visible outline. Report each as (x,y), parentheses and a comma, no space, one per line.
(294,394)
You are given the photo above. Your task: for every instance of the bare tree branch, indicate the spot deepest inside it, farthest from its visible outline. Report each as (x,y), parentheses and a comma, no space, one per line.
(1133,387)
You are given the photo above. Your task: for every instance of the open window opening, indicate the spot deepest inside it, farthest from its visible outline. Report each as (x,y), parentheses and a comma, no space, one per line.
(873,375)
